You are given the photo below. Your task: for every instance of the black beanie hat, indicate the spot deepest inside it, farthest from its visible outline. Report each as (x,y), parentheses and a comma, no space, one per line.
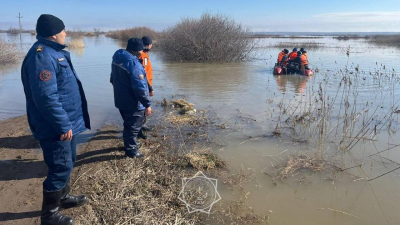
(146,40)
(302,49)
(135,45)
(49,25)
(285,51)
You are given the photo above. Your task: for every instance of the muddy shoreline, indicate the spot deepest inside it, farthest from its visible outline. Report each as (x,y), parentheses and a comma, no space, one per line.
(121,190)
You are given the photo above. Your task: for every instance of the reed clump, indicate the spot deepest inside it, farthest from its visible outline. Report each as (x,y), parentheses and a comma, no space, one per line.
(303,161)
(387,40)
(76,43)
(9,53)
(306,45)
(204,160)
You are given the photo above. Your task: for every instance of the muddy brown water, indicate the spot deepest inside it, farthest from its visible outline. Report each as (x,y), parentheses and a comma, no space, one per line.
(247,97)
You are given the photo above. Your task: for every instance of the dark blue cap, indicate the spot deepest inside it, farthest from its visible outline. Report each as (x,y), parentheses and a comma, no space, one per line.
(135,45)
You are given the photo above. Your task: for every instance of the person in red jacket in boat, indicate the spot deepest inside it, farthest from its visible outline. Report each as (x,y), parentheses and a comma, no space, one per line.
(292,56)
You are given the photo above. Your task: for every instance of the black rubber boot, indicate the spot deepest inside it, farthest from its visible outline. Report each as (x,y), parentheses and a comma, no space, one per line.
(134,154)
(146,128)
(50,214)
(142,135)
(70,201)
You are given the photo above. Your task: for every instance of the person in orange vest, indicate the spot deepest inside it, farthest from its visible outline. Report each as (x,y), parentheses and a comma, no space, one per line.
(293,54)
(282,54)
(304,52)
(304,61)
(285,59)
(145,59)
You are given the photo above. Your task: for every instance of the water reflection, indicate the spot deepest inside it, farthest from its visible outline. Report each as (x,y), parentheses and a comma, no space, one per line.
(297,83)
(211,81)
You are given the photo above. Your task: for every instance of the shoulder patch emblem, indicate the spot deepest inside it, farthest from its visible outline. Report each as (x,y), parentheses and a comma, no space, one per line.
(45,75)
(39,48)
(61,59)
(141,76)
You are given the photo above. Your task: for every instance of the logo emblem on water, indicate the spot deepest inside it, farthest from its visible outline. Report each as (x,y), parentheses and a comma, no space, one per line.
(199,193)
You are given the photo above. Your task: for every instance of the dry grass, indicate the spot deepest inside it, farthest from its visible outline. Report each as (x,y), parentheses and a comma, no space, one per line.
(139,32)
(9,53)
(204,160)
(280,36)
(184,106)
(126,191)
(306,45)
(303,161)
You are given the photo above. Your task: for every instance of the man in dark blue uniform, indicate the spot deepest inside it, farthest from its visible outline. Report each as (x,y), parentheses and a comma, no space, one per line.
(131,93)
(57,112)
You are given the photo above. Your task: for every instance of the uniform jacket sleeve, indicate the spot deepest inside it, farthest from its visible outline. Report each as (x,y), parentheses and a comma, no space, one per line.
(139,86)
(44,89)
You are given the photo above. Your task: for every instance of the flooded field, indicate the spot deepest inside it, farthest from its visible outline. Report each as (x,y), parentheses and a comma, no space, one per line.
(313,150)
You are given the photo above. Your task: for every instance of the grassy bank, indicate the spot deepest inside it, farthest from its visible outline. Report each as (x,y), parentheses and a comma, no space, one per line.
(145,191)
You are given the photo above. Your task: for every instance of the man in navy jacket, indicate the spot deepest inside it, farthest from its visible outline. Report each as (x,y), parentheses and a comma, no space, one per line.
(57,112)
(131,93)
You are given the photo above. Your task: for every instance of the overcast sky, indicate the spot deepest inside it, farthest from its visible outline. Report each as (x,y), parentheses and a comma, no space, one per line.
(258,15)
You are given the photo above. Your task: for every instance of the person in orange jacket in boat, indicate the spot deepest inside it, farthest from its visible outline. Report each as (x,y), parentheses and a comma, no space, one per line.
(304,52)
(304,61)
(282,54)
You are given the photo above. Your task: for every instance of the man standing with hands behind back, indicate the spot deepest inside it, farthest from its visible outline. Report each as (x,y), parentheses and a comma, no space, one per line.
(57,112)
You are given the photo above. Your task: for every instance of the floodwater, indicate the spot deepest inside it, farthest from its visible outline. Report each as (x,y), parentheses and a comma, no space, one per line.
(253,103)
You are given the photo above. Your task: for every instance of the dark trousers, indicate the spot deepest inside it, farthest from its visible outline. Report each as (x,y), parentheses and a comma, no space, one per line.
(133,121)
(59,157)
(144,123)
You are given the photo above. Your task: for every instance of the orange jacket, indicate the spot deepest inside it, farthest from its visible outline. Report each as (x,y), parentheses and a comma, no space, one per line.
(292,55)
(280,56)
(147,67)
(304,60)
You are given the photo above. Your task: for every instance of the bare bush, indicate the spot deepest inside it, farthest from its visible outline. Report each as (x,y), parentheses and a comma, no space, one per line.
(76,33)
(12,30)
(212,38)
(9,53)
(126,34)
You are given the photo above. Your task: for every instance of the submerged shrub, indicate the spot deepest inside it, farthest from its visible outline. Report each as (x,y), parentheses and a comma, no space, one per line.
(76,43)
(212,38)
(9,53)
(126,34)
